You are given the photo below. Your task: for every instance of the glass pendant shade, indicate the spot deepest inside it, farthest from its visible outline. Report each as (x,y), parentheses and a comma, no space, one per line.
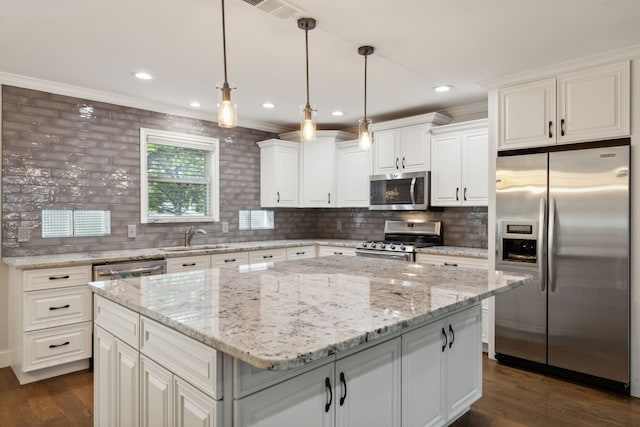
(308,123)
(227,110)
(364,134)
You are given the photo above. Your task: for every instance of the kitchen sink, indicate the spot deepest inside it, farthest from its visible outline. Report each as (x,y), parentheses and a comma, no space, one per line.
(192,248)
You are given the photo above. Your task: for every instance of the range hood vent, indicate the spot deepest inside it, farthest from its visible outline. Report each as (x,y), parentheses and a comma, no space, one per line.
(277,8)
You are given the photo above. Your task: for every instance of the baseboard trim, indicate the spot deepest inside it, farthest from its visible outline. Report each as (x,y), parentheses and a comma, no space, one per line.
(5,358)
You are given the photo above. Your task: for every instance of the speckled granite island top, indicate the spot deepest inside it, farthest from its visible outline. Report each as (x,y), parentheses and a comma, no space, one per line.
(280,316)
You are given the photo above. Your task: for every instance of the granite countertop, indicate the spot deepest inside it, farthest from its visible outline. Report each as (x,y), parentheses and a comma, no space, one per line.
(282,315)
(60,260)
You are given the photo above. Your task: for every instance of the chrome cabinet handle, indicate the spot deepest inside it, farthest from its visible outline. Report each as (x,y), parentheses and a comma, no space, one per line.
(278,195)
(327,384)
(550,125)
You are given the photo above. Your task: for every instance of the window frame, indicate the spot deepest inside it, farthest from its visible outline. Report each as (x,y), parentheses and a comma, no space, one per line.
(176,139)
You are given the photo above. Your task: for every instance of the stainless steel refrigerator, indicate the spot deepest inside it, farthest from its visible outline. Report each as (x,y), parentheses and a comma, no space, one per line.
(564,217)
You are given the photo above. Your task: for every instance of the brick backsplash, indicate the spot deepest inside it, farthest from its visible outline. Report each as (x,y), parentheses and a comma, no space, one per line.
(55,156)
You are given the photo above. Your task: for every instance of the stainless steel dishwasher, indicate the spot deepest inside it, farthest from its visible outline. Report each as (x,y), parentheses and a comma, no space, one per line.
(122,270)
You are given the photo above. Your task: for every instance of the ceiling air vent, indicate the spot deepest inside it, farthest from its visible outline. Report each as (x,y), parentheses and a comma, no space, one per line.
(278,8)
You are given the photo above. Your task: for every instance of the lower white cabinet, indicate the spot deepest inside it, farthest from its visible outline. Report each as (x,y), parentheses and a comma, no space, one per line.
(193,408)
(156,394)
(301,252)
(441,369)
(336,250)
(116,381)
(267,255)
(229,260)
(189,263)
(452,261)
(359,390)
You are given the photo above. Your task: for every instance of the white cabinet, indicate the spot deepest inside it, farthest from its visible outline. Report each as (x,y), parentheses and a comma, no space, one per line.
(229,260)
(317,189)
(584,105)
(193,408)
(190,263)
(116,381)
(324,250)
(400,150)
(452,261)
(359,390)
(441,369)
(156,394)
(279,173)
(460,164)
(367,387)
(301,252)
(49,321)
(268,255)
(353,168)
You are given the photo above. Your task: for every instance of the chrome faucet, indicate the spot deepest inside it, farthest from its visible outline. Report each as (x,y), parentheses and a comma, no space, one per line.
(188,235)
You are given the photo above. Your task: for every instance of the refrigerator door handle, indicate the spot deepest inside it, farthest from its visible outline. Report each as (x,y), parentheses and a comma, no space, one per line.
(551,278)
(542,232)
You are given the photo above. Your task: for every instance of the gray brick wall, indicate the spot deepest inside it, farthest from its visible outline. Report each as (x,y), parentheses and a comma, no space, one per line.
(55,157)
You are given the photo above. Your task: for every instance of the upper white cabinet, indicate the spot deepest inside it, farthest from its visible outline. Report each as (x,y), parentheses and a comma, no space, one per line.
(403,145)
(353,168)
(460,164)
(278,173)
(583,105)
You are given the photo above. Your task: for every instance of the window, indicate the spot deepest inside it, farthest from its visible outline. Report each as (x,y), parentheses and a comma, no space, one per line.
(256,220)
(67,223)
(179,177)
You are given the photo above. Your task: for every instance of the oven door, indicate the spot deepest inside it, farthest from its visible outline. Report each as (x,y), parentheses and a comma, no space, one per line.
(400,256)
(400,191)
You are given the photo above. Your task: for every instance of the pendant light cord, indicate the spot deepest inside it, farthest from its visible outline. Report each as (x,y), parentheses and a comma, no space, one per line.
(365,87)
(224,44)
(306,42)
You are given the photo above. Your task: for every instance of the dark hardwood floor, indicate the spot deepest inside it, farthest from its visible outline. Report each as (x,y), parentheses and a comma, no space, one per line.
(511,397)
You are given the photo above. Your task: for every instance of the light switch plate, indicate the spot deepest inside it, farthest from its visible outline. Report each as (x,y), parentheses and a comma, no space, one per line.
(131,231)
(225,227)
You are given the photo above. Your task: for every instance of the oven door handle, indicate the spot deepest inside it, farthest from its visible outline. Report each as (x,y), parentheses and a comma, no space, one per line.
(412,191)
(133,270)
(387,255)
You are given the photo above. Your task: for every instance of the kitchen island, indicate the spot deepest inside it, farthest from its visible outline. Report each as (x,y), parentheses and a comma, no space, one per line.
(322,341)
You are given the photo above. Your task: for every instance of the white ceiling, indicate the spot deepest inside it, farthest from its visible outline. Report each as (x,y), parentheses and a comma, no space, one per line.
(99,44)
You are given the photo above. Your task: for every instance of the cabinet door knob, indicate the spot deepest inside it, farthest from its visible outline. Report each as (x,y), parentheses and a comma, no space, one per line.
(327,383)
(550,126)
(343,381)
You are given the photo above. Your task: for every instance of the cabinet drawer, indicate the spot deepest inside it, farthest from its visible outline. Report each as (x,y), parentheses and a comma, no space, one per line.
(336,250)
(268,255)
(117,320)
(55,346)
(452,261)
(232,259)
(56,277)
(187,358)
(201,262)
(56,307)
(301,252)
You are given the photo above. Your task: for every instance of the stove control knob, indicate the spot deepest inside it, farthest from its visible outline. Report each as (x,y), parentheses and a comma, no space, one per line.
(365,244)
(392,246)
(402,247)
(382,245)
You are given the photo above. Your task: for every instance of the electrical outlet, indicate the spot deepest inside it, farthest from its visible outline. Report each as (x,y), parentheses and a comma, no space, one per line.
(23,234)
(225,227)
(339,225)
(131,231)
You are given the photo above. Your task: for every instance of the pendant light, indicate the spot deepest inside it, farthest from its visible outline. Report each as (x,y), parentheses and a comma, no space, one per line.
(308,112)
(227,110)
(364,124)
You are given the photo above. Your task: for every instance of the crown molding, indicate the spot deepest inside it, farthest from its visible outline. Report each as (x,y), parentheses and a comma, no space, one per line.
(326,135)
(477,108)
(460,126)
(430,118)
(123,100)
(627,53)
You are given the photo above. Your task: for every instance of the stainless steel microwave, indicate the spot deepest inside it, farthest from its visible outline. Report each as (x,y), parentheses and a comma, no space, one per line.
(399,191)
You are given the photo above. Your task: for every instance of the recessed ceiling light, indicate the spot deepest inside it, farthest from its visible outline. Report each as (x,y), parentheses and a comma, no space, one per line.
(143,75)
(443,88)
(268,105)
(337,113)
(194,104)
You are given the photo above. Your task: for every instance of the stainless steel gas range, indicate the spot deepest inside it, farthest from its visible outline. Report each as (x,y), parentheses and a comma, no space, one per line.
(401,239)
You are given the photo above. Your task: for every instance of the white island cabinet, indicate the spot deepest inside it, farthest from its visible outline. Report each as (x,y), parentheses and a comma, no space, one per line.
(334,341)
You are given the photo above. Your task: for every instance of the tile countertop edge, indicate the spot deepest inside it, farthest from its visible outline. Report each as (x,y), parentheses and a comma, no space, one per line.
(74,259)
(302,359)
